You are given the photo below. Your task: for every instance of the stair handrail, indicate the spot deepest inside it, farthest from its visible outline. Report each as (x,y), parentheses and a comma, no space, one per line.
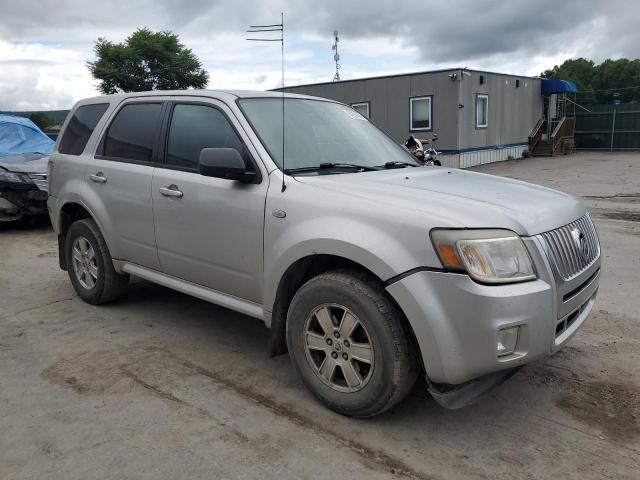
(564,129)
(558,127)
(536,135)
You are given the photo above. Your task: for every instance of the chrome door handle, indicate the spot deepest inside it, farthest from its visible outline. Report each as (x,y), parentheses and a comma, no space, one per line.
(171,191)
(98,177)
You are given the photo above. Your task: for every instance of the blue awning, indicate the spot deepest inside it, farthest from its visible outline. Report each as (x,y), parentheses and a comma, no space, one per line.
(553,85)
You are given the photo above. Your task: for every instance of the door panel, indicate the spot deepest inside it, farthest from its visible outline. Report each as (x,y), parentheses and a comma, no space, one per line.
(120,176)
(126,197)
(211,235)
(209,231)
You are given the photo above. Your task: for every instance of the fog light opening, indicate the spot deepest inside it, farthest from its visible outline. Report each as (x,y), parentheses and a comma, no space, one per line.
(507,341)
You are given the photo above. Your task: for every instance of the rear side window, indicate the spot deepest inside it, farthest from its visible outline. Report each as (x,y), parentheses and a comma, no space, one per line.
(194,127)
(133,132)
(80,128)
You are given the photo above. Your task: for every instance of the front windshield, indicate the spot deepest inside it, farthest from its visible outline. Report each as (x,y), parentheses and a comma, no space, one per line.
(319,132)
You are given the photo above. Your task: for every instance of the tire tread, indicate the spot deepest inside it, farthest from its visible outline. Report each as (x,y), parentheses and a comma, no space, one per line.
(405,365)
(115,285)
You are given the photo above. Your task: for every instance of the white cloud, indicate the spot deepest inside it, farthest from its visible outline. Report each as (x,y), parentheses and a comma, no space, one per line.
(45,46)
(39,76)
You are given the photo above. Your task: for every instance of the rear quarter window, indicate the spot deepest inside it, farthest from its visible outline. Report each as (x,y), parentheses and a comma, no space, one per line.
(80,127)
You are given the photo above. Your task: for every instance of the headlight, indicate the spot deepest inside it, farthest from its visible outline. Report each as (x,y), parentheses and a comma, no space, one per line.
(488,256)
(13,177)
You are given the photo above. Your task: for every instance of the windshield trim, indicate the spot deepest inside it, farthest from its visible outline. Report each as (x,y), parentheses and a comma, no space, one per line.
(313,99)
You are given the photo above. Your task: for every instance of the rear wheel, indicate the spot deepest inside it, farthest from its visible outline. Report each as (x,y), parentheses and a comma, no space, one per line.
(350,343)
(90,266)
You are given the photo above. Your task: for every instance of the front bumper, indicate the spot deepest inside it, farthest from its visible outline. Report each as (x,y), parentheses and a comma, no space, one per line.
(456,320)
(18,203)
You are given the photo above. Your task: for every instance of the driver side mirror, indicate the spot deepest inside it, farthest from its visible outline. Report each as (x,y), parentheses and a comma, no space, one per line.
(225,163)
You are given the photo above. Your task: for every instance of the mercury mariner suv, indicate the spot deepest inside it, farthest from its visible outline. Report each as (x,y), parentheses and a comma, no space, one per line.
(370,270)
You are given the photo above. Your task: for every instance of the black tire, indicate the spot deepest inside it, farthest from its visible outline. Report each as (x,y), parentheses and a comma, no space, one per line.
(394,368)
(109,284)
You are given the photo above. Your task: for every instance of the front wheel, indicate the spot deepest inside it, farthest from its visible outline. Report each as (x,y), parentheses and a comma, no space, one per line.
(350,344)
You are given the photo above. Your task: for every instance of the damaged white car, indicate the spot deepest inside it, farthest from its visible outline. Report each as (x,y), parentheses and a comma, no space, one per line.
(24,152)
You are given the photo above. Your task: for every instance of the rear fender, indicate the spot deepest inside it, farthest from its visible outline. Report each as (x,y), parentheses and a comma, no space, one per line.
(77,191)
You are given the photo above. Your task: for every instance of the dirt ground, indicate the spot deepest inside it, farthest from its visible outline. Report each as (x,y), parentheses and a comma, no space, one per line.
(161,385)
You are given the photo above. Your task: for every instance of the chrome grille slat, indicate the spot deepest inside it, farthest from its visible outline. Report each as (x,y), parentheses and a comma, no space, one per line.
(574,261)
(566,257)
(562,257)
(565,253)
(591,234)
(40,180)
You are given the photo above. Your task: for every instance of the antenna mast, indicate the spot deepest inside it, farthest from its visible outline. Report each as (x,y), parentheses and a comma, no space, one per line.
(336,55)
(276,27)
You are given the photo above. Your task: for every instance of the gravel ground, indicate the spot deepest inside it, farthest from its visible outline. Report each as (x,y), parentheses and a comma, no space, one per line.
(161,385)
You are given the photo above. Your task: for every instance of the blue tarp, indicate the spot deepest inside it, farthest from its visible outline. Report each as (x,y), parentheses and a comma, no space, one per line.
(21,135)
(553,85)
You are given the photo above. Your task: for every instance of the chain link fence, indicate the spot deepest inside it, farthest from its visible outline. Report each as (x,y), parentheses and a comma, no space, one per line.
(608,127)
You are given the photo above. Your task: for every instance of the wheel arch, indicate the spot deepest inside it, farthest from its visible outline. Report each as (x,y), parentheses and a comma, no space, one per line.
(70,212)
(72,209)
(296,275)
(77,198)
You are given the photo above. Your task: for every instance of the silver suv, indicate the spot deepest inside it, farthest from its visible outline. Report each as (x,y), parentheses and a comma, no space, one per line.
(370,270)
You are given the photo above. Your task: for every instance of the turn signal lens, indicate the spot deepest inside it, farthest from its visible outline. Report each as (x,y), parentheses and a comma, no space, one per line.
(449,256)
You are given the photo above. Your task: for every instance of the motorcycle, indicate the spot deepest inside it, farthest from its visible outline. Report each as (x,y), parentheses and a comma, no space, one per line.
(415,148)
(425,153)
(431,154)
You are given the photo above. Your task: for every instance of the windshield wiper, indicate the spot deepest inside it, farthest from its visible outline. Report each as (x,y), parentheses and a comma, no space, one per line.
(329,166)
(397,164)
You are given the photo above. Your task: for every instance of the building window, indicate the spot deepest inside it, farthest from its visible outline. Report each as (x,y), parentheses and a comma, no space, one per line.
(420,113)
(362,108)
(482,110)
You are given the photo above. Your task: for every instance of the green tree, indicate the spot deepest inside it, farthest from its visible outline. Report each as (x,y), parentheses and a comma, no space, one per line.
(146,60)
(598,83)
(42,120)
(578,70)
(615,77)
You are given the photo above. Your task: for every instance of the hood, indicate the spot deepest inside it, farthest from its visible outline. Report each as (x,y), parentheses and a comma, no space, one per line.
(25,163)
(453,198)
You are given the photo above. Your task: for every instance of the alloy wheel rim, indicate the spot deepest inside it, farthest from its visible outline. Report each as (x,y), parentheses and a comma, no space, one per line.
(85,265)
(338,348)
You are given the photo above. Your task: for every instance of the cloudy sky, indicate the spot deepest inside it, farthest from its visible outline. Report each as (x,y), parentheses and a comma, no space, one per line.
(44,45)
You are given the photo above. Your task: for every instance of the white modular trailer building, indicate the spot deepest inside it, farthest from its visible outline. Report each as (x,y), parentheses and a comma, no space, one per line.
(480,117)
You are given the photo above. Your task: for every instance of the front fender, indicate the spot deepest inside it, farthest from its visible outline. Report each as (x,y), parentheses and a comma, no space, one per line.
(374,248)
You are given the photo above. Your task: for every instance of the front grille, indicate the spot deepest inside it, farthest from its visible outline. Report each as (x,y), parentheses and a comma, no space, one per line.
(40,180)
(576,291)
(573,248)
(564,324)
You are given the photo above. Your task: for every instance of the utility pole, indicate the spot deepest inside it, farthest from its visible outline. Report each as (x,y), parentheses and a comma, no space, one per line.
(336,56)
